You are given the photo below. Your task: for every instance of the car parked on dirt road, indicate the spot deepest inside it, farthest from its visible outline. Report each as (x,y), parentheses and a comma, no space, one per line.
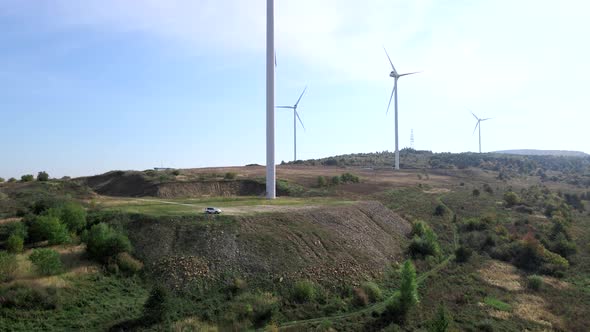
(212,210)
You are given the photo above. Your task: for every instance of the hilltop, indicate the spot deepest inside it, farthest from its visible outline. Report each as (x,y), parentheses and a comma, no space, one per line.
(533,152)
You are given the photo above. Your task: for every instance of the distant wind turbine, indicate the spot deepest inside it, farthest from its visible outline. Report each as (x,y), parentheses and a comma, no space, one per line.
(478,124)
(395,75)
(295,118)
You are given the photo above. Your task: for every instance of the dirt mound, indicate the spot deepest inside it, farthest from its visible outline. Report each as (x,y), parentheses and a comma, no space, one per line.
(335,244)
(138,184)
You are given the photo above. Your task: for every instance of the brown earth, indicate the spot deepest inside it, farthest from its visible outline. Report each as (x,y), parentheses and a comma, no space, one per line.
(331,245)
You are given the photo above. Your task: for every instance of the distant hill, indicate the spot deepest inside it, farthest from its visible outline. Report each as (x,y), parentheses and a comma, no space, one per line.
(532,152)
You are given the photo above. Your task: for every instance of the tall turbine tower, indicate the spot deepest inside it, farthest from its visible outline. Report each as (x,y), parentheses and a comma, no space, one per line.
(270,101)
(478,124)
(396,76)
(295,117)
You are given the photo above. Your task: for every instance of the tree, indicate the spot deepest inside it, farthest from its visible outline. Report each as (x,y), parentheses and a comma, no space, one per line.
(42,176)
(12,180)
(408,287)
(155,309)
(49,227)
(322,182)
(511,198)
(73,216)
(441,321)
(1,179)
(27,178)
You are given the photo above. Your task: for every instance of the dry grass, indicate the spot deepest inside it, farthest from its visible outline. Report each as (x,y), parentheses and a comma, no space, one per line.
(534,308)
(501,275)
(9,220)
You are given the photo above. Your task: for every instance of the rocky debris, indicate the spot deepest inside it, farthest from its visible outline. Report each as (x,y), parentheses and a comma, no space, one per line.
(179,271)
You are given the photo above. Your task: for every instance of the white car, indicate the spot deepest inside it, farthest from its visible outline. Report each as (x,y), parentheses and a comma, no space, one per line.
(212,210)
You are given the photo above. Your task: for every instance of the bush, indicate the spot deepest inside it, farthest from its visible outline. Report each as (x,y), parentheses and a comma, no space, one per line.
(534,282)
(426,245)
(304,291)
(440,210)
(175,172)
(475,192)
(73,215)
(462,254)
(27,178)
(373,291)
(349,177)
(360,297)
(128,264)
(258,308)
(511,198)
(103,242)
(156,307)
(15,244)
(441,321)
(8,266)
(322,182)
(27,297)
(48,227)
(18,228)
(1,179)
(46,261)
(230,176)
(42,176)
(12,180)
(488,189)
(335,180)
(419,228)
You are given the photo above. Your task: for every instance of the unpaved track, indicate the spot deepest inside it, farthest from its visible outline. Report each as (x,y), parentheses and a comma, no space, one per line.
(241,210)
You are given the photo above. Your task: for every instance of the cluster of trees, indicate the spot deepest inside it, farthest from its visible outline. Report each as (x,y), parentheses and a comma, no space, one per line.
(324,181)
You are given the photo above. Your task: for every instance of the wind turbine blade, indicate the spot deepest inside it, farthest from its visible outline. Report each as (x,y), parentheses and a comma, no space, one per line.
(392,92)
(406,74)
(486,119)
(475,116)
(291,107)
(275,59)
(297,103)
(474,129)
(392,66)
(300,120)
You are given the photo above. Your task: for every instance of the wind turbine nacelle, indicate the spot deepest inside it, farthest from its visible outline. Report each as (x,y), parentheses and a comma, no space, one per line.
(392,74)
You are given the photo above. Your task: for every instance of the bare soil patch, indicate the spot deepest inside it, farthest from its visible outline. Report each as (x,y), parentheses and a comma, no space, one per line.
(502,275)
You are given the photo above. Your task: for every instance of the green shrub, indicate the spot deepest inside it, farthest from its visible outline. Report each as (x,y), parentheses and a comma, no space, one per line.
(258,308)
(304,291)
(322,182)
(1,179)
(230,176)
(104,242)
(511,198)
(419,228)
(73,215)
(441,321)
(8,266)
(475,192)
(46,261)
(473,224)
(18,228)
(486,325)
(426,245)
(15,244)
(42,176)
(349,177)
(488,189)
(440,210)
(373,291)
(12,180)
(175,172)
(238,285)
(27,178)
(128,264)
(335,180)
(27,297)
(157,306)
(462,254)
(534,282)
(48,227)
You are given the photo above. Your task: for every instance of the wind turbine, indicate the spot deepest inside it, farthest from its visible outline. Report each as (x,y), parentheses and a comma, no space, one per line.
(396,76)
(270,100)
(478,124)
(295,115)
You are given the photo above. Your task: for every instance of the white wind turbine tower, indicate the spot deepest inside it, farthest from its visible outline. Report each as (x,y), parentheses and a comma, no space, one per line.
(295,118)
(396,76)
(270,101)
(478,124)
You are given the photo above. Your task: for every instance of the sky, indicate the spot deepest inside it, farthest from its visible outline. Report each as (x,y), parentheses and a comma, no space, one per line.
(97,85)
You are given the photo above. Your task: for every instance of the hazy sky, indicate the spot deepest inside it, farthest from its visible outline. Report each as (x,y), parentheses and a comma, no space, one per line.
(90,86)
